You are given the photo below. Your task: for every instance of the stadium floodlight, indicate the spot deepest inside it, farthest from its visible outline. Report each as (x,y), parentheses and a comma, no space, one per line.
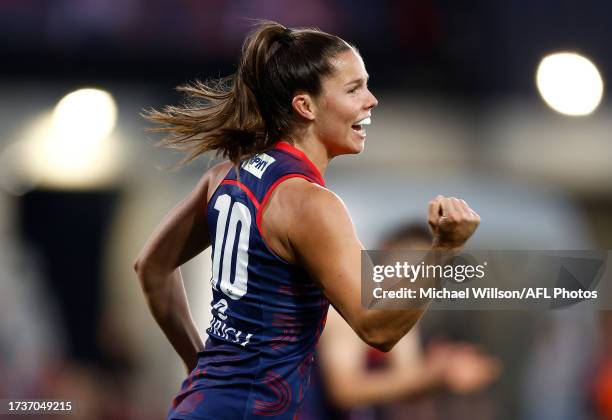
(569,83)
(85,115)
(72,147)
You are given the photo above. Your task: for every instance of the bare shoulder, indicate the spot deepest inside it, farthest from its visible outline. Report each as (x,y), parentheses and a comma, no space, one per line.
(213,177)
(308,208)
(296,208)
(306,199)
(318,214)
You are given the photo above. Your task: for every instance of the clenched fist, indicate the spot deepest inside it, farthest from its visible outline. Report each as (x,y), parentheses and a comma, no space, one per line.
(452,222)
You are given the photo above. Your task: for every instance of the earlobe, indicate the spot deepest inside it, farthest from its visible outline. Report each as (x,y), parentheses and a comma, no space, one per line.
(304,106)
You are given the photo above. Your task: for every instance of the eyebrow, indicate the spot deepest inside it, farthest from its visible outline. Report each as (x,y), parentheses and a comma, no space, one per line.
(360,80)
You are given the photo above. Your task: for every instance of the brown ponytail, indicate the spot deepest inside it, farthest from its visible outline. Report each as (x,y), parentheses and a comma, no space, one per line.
(248,112)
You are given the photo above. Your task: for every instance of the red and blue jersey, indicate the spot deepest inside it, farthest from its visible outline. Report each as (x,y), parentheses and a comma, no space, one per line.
(267,314)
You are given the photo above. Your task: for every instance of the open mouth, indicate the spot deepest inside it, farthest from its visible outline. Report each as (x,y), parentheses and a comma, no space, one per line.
(359,126)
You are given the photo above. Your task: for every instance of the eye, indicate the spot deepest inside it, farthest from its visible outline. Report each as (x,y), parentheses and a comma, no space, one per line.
(353,90)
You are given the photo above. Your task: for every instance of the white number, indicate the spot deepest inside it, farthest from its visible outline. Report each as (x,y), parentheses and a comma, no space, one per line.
(238,213)
(221,307)
(222,206)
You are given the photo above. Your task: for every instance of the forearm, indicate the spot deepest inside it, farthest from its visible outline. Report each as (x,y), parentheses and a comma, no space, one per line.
(390,325)
(380,387)
(165,294)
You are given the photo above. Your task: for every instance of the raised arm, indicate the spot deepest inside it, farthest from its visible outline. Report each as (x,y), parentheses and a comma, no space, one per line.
(181,235)
(310,225)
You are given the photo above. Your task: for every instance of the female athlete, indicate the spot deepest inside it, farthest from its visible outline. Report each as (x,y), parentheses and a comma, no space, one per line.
(284,246)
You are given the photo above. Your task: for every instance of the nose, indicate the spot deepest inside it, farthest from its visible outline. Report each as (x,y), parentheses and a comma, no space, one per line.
(372,101)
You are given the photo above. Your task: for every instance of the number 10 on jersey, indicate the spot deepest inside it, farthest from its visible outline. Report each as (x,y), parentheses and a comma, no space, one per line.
(229,236)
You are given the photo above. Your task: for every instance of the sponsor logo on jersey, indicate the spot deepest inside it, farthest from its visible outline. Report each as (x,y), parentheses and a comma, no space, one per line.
(258,164)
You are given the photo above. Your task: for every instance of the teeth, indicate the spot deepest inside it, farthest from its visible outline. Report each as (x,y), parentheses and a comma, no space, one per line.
(365,121)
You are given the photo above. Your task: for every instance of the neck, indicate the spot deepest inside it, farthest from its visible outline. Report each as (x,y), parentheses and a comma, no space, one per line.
(315,151)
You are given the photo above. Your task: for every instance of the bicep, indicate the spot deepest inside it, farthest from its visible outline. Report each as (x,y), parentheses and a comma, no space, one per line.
(326,244)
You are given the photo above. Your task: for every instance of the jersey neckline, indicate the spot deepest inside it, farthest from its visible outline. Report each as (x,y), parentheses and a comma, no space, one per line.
(291,149)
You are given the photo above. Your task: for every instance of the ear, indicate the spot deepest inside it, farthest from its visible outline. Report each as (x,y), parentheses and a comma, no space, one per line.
(304,106)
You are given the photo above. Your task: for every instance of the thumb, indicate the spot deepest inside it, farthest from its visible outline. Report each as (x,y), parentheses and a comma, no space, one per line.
(434,212)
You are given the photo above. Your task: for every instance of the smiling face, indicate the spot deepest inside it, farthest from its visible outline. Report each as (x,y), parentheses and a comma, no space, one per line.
(344,104)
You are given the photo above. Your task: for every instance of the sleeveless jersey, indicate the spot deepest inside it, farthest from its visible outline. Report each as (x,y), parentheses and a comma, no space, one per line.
(267,314)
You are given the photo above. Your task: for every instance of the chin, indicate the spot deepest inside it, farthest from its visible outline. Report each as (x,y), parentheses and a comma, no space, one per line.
(352,145)
(354,148)
(358,146)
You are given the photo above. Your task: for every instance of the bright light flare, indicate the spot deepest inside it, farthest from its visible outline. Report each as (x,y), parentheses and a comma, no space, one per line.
(69,148)
(569,83)
(85,116)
